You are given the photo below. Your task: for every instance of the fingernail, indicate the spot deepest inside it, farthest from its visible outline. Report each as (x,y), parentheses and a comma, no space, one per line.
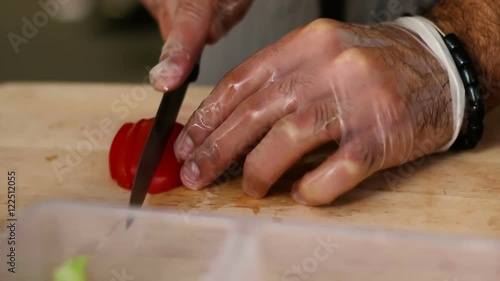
(296,196)
(164,74)
(190,173)
(168,71)
(249,190)
(185,148)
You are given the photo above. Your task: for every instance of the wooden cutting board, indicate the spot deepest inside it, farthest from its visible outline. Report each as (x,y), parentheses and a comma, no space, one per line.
(41,125)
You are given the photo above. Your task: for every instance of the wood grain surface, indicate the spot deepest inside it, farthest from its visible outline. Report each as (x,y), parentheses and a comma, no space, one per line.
(43,125)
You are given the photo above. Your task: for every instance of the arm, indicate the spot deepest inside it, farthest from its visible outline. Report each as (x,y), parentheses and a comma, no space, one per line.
(477,24)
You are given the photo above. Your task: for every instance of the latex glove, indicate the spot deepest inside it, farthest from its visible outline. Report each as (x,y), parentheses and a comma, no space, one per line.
(187,26)
(377,91)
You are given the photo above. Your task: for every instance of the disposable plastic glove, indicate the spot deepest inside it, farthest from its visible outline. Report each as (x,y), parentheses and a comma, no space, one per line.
(187,26)
(377,91)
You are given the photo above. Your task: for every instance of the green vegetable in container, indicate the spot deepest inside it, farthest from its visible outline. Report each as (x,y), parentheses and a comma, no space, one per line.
(72,270)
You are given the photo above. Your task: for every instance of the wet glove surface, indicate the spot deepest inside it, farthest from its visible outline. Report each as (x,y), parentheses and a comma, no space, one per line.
(377,91)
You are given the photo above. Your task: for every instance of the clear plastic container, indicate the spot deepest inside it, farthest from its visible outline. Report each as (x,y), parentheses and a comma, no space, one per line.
(169,245)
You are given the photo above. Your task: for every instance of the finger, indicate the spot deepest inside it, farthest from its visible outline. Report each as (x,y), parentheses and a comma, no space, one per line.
(165,14)
(188,33)
(290,139)
(346,168)
(262,70)
(238,86)
(249,123)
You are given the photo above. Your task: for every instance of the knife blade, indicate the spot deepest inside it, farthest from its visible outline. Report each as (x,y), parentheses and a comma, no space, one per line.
(157,140)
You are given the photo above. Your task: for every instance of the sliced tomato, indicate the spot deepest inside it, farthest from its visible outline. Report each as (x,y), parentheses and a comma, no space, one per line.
(126,151)
(123,166)
(140,141)
(116,161)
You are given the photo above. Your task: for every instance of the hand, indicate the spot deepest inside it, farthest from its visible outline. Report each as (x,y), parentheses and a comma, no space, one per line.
(187,25)
(377,91)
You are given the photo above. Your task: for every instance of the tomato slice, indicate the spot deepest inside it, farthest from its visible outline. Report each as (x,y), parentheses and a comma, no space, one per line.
(124,164)
(126,151)
(116,163)
(144,126)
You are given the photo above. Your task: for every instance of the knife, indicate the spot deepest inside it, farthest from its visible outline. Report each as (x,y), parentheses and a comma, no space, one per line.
(157,140)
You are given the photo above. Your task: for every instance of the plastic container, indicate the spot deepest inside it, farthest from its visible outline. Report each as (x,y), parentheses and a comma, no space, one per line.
(171,245)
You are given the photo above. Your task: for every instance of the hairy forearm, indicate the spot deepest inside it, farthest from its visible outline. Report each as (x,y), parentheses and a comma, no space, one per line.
(477,24)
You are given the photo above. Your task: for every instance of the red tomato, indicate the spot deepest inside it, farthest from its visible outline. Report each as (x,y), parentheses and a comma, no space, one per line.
(116,156)
(136,151)
(126,151)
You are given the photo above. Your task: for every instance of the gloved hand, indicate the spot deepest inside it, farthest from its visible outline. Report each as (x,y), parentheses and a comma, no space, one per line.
(377,91)
(187,26)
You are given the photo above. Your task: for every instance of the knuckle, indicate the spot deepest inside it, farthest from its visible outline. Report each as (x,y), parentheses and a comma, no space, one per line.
(205,118)
(361,65)
(293,88)
(360,60)
(322,26)
(324,32)
(286,129)
(232,79)
(367,154)
(252,110)
(210,152)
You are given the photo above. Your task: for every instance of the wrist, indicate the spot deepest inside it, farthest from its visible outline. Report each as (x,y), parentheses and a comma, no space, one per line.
(475,23)
(463,80)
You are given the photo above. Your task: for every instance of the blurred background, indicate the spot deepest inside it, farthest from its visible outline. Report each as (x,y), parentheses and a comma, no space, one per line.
(117,40)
